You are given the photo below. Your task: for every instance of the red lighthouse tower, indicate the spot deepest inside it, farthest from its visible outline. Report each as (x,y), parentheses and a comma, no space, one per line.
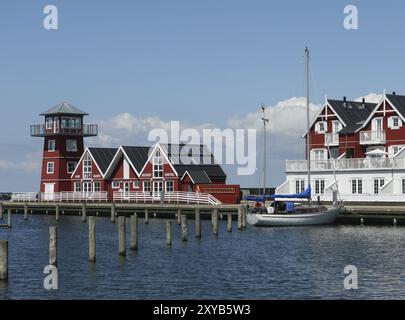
(63,131)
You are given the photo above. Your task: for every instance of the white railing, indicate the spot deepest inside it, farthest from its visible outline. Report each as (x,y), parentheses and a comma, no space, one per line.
(346,164)
(168,197)
(331,139)
(24,197)
(67,196)
(372,137)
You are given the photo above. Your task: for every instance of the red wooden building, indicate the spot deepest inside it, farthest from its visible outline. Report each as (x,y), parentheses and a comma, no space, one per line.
(127,173)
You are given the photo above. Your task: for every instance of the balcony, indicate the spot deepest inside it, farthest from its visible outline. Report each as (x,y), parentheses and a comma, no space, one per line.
(331,139)
(345,164)
(372,137)
(85,130)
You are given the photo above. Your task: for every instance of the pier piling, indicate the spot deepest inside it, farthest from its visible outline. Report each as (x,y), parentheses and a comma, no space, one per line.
(178,217)
(146,216)
(121,236)
(183,227)
(84,212)
(1,210)
(57,212)
(240,218)
(92,239)
(53,243)
(134,232)
(113,213)
(229,226)
(25,211)
(3,260)
(244,212)
(168,233)
(197,223)
(9,222)
(215,222)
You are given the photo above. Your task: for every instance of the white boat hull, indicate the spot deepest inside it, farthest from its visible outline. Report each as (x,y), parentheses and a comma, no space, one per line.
(305,219)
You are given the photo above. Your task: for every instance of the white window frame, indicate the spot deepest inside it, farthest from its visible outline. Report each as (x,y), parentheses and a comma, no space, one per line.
(97,183)
(357,183)
(318,127)
(67,166)
(136,184)
(48,166)
(116,184)
(324,151)
(149,186)
(319,186)
(167,182)
(48,123)
(87,167)
(53,144)
(391,124)
(78,187)
(75,145)
(157,165)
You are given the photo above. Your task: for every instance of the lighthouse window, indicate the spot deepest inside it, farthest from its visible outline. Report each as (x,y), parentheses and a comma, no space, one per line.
(50,168)
(51,145)
(71,145)
(157,165)
(48,123)
(71,123)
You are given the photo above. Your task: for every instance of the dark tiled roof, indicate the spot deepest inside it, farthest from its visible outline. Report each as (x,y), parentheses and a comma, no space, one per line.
(199,154)
(103,157)
(353,113)
(137,155)
(199,176)
(398,101)
(64,108)
(211,170)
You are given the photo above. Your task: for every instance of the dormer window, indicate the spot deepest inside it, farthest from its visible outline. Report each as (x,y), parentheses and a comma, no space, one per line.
(394,123)
(321,127)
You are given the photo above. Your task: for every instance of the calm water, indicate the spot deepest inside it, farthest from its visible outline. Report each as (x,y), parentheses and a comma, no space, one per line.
(264,263)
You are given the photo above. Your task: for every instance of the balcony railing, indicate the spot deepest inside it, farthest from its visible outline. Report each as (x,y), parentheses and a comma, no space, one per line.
(85,130)
(331,139)
(372,137)
(346,164)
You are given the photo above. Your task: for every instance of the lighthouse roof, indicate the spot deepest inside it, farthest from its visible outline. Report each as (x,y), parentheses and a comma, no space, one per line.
(64,108)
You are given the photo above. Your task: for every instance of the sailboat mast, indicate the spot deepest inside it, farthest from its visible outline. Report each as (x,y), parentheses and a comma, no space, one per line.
(265,148)
(308,132)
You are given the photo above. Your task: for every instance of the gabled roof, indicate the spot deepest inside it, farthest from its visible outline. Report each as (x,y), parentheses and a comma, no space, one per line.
(197,153)
(103,157)
(137,156)
(211,170)
(64,108)
(197,176)
(398,102)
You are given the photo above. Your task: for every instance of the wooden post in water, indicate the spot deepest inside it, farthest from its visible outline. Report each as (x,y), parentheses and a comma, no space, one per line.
(229,226)
(244,212)
(92,239)
(3,260)
(25,211)
(57,212)
(53,246)
(9,218)
(121,236)
(239,218)
(183,227)
(215,222)
(197,223)
(168,233)
(1,210)
(134,232)
(146,216)
(113,213)
(179,217)
(84,212)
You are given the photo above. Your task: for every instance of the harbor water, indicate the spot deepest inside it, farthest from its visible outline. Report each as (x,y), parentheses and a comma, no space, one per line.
(256,263)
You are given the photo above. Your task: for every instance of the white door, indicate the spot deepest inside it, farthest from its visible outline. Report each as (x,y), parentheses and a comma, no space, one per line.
(49,191)
(376,125)
(87,190)
(126,190)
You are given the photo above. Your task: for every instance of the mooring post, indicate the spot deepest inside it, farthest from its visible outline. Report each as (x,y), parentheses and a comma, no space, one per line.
(113,213)
(244,212)
(134,232)
(53,246)
(9,218)
(197,223)
(3,260)
(84,212)
(1,210)
(92,239)
(240,218)
(215,222)
(121,236)
(179,217)
(146,216)
(57,212)
(168,233)
(229,226)
(25,211)
(183,227)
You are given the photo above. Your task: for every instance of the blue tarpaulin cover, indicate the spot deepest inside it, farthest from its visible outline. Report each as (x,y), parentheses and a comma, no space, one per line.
(306,194)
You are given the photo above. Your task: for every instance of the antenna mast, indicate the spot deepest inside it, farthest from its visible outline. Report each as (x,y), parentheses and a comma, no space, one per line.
(265,120)
(308,132)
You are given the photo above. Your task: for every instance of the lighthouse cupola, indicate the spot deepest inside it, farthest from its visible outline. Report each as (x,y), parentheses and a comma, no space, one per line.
(63,131)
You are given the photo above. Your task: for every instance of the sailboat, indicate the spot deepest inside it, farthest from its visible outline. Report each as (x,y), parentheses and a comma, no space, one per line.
(287,213)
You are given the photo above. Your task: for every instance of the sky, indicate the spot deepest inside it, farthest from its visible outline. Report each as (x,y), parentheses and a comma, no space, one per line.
(137,65)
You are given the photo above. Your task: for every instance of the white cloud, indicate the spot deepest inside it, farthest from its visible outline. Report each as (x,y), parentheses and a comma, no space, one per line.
(30,163)
(371,98)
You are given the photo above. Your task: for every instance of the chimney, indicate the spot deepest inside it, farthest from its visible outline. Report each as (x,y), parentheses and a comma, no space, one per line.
(344,102)
(394,93)
(364,100)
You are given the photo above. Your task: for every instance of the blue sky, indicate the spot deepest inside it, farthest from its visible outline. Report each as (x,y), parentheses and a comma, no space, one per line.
(193,61)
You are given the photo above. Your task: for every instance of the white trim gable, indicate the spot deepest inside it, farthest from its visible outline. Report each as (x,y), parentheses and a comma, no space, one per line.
(163,151)
(80,161)
(114,162)
(188,175)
